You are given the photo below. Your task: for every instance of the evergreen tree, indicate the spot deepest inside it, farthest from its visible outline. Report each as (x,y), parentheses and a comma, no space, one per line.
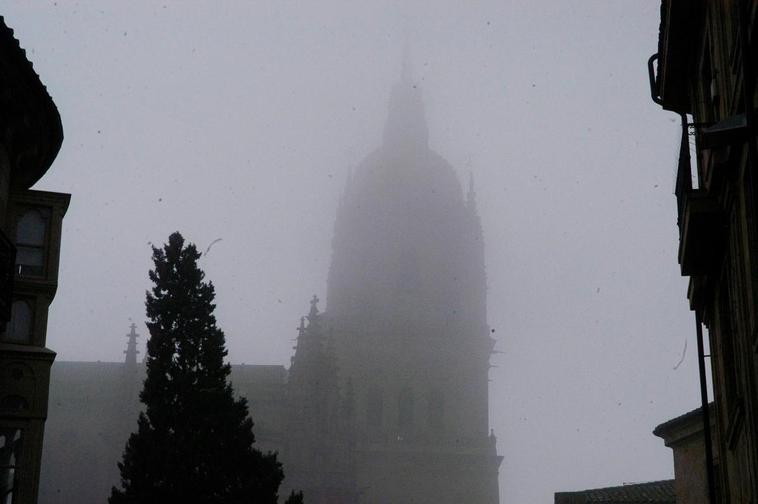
(194,442)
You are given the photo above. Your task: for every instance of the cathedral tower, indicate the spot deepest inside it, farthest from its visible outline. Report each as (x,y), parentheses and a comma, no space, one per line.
(407,308)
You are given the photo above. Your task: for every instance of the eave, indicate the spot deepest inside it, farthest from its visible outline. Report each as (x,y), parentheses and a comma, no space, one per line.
(31,131)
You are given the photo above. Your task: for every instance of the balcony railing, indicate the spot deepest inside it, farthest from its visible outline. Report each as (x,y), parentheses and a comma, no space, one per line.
(683,174)
(699,217)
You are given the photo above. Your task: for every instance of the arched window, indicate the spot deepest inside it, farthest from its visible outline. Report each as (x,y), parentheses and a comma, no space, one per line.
(31,230)
(405,410)
(19,330)
(374,407)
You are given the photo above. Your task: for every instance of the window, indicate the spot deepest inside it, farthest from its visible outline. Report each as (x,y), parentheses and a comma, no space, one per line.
(20,328)
(10,451)
(31,231)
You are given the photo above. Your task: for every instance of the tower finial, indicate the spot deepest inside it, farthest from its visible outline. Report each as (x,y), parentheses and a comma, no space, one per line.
(406,127)
(131,346)
(314,307)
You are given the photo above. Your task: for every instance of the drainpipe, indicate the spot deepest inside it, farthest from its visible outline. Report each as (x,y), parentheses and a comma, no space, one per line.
(706,412)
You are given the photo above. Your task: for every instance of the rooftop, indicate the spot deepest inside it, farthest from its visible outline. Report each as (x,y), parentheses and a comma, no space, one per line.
(638,493)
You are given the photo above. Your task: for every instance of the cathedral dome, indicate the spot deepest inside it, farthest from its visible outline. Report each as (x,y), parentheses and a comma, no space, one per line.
(401,248)
(406,305)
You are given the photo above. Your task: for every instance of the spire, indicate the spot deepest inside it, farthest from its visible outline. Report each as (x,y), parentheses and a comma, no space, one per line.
(314,308)
(301,329)
(131,347)
(406,127)
(310,338)
(300,341)
(311,350)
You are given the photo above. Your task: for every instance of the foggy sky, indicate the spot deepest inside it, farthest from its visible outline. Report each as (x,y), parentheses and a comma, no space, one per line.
(240,121)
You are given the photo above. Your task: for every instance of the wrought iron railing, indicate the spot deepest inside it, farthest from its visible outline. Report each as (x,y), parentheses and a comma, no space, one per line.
(683,173)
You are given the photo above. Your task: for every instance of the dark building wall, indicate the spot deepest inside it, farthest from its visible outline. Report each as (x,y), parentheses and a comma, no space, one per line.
(30,228)
(706,69)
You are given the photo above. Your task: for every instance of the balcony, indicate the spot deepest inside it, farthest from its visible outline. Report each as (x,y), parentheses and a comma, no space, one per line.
(699,215)
(701,233)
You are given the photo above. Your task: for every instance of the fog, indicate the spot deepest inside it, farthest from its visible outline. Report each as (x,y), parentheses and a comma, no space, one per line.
(237,124)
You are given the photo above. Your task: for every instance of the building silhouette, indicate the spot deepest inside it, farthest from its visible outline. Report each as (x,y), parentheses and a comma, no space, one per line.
(386,397)
(30,233)
(407,305)
(706,73)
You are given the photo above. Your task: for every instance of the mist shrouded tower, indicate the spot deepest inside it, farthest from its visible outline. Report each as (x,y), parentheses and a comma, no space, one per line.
(407,304)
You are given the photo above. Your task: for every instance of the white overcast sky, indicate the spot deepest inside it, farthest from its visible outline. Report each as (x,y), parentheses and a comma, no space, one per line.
(240,120)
